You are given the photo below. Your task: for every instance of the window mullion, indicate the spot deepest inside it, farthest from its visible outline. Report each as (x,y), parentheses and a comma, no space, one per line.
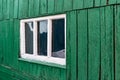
(35,38)
(22,30)
(49,41)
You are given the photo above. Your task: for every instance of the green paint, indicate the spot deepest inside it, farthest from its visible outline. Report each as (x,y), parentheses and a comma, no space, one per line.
(82,45)
(117,44)
(93,44)
(78,4)
(51,6)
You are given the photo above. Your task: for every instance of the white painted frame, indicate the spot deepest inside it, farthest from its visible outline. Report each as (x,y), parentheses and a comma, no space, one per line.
(35,56)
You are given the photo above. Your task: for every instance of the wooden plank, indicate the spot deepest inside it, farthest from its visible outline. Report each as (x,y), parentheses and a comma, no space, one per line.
(16,42)
(31,8)
(51,7)
(5,9)
(117,43)
(82,45)
(72,45)
(16,7)
(112,1)
(88,3)
(23,8)
(59,5)
(43,6)
(1,10)
(93,44)
(68,51)
(118,1)
(68,5)
(97,2)
(11,8)
(1,43)
(36,7)
(78,4)
(103,2)
(107,65)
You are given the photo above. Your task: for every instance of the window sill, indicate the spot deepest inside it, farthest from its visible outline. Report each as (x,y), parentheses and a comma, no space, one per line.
(43,63)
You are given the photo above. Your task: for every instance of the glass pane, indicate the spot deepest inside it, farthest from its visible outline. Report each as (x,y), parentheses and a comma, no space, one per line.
(42,37)
(58,38)
(29,37)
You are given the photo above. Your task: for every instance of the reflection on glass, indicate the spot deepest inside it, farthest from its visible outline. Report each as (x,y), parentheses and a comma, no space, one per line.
(42,37)
(58,38)
(29,37)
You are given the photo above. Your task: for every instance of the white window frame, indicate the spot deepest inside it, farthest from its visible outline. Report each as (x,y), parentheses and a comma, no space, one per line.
(35,56)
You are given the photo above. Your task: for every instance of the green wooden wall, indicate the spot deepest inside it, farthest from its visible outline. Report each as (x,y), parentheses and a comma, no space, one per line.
(93,39)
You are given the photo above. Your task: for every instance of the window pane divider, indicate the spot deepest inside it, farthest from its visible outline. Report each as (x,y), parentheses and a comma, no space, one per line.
(35,38)
(49,41)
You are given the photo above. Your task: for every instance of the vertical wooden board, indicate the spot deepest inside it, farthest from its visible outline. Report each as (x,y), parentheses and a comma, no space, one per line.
(1,9)
(23,8)
(94,44)
(97,2)
(88,3)
(117,43)
(82,45)
(5,9)
(11,8)
(1,42)
(68,5)
(51,7)
(63,74)
(59,5)
(43,6)
(112,1)
(107,67)
(109,40)
(72,45)
(31,8)
(103,2)
(78,4)
(118,1)
(36,7)
(16,7)
(68,51)
(16,43)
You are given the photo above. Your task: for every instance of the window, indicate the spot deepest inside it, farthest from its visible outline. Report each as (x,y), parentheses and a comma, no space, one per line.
(44,39)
